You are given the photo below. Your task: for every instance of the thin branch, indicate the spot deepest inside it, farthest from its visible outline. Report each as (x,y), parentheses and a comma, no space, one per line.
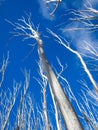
(11,105)
(3,69)
(57,5)
(79,56)
(71,119)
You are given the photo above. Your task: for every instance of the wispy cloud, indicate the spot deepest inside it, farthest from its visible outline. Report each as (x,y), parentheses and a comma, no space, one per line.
(44,9)
(49,7)
(81,29)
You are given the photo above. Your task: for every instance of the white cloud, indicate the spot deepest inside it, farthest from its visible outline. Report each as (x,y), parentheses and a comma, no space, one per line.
(81,37)
(43,8)
(49,7)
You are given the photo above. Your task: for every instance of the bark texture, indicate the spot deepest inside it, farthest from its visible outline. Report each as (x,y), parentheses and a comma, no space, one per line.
(71,120)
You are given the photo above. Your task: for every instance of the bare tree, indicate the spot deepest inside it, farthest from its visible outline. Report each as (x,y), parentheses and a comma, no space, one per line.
(70,117)
(67,46)
(84,18)
(3,69)
(43,84)
(30,116)
(7,103)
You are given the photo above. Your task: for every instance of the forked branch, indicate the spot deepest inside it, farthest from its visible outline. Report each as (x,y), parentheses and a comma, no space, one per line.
(70,117)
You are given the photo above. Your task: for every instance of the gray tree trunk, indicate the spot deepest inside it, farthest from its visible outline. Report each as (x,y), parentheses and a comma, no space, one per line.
(70,117)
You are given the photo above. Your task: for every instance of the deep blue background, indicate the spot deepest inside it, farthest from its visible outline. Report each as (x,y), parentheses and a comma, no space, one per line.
(23,56)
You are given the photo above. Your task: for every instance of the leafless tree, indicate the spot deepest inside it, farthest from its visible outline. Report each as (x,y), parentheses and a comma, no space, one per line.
(67,46)
(26,117)
(3,69)
(70,117)
(7,102)
(84,18)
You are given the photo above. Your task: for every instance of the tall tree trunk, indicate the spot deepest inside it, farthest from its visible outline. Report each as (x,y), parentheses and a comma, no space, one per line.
(70,117)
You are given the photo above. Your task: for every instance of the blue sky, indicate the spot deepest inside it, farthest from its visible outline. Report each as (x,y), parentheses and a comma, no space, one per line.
(23,56)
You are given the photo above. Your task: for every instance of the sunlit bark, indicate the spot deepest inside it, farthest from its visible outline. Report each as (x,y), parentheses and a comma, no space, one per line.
(68,113)
(44,102)
(70,117)
(56,111)
(80,58)
(26,116)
